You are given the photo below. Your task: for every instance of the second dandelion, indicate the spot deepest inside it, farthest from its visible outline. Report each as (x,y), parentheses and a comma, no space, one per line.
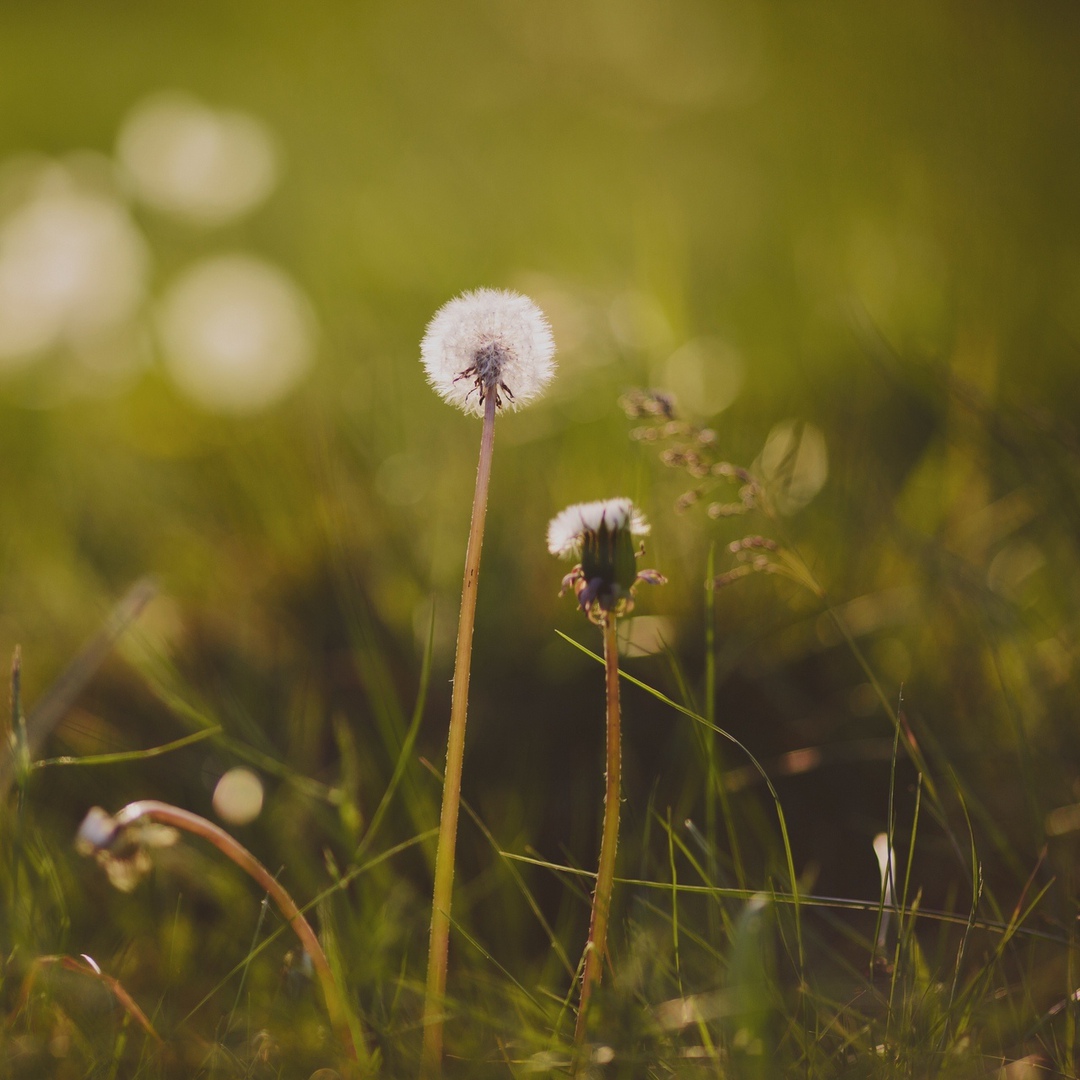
(483,351)
(602,534)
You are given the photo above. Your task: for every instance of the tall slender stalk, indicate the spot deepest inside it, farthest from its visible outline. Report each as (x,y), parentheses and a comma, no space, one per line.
(596,949)
(167,814)
(480,348)
(439,942)
(602,534)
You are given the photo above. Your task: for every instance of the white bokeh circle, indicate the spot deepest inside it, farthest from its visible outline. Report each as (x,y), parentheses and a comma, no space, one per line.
(206,165)
(237,333)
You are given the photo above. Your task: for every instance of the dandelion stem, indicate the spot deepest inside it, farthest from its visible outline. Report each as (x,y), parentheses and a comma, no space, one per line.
(167,814)
(596,949)
(439,942)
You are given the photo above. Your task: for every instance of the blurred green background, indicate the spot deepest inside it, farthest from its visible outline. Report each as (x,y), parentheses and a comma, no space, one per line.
(859,217)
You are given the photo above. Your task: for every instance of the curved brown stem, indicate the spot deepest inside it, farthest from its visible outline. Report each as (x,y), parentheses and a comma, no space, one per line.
(167,814)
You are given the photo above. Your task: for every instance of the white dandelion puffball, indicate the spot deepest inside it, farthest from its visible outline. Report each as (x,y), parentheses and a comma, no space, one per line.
(489,341)
(568,529)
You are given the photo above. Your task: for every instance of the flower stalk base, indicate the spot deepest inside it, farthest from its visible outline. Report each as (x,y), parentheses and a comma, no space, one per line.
(596,949)
(439,942)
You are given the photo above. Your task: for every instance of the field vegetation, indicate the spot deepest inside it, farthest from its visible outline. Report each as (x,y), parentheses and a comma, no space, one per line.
(813,279)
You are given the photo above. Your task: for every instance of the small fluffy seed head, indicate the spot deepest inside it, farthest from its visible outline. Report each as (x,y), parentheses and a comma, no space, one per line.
(489,341)
(568,529)
(602,535)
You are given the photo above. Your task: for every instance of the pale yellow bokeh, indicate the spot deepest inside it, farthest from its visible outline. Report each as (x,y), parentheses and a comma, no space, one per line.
(238,797)
(205,165)
(237,333)
(73,267)
(794,465)
(643,635)
(705,375)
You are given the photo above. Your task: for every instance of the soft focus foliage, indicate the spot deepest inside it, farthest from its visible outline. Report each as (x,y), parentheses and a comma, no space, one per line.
(846,238)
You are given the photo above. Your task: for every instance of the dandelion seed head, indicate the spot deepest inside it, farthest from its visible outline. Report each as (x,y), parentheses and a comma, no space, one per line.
(567,530)
(489,341)
(602,535)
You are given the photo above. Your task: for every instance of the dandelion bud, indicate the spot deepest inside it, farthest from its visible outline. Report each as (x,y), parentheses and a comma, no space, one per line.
(602,534)
(489,341)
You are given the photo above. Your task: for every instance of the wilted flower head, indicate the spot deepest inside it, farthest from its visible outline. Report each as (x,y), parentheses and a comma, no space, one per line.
(120,846)
(489,341)
(602,533)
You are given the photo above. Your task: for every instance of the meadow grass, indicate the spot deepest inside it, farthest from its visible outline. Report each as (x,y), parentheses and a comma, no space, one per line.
(724,959)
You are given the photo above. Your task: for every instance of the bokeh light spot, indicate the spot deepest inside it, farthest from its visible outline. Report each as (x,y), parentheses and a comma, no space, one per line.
(72,267)
(238,796)
(706,373)
(238,333)
(186,159)
(643,635)
(794,464)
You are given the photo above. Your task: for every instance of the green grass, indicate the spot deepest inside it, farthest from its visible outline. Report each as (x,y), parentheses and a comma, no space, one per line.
(725,958)
(853,220)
